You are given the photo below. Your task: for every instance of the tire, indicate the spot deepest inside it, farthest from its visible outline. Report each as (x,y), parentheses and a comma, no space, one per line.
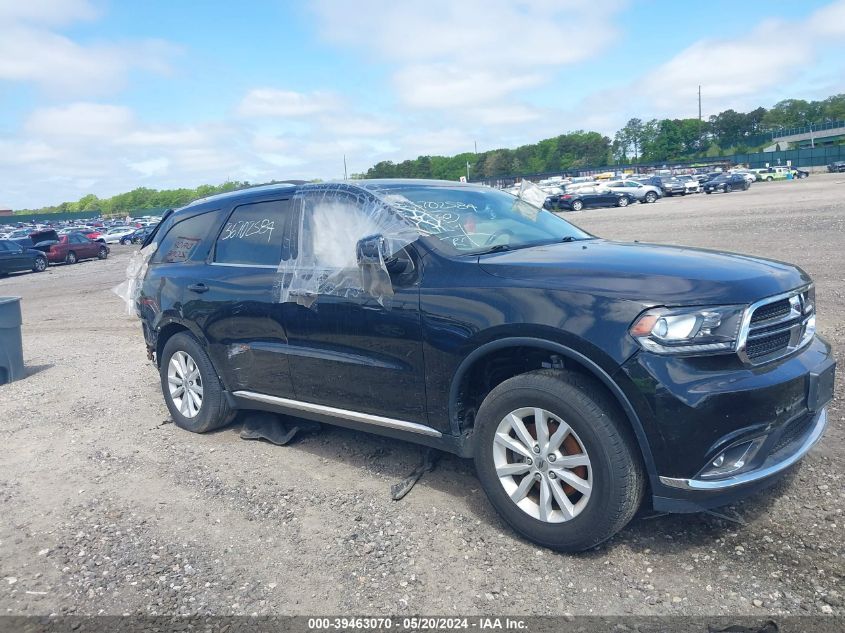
(769,179)
(71,258)
(623,201)
(103,253)
(124,242)
(40,265)
(728,188)
(614,471)
(577,205)
(708,191)
(650,197)
(213,410)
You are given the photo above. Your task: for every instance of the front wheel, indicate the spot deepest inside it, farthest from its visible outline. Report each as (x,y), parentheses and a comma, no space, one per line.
(769,179)
(651,197)
(577,205)
(556,460)
(102,253)
(192,390)
(40,265)
(708,191)
(728,188)
(623,201)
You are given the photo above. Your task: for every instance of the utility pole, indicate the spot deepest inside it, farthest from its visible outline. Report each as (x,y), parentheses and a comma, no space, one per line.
(344,167)
(699,116)
(467,171)
(476,147)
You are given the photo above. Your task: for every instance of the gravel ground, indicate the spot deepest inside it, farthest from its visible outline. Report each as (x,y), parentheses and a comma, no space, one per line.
(107,508)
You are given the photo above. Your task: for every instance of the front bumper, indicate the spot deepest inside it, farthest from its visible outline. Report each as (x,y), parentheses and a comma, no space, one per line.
(775,463)
(695,409)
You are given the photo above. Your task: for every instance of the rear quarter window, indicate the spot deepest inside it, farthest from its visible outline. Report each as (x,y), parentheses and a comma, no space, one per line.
(183,240)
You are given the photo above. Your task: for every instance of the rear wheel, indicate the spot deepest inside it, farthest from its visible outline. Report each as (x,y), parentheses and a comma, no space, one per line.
(192,390)
(577,205)
(556,460)
(102,253)
(728,188)
(769,179)
(71,258)
(40,265)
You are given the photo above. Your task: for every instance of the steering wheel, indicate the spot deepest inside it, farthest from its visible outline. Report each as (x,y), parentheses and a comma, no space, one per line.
(497,235)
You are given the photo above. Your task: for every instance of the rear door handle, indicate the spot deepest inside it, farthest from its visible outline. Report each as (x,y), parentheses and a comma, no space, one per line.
(200,288)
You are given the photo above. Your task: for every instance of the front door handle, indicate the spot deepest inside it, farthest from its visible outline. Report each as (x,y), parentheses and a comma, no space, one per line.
(200,288)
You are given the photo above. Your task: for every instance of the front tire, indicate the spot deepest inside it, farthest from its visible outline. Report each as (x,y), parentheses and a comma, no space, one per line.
(577,205)
(102,253)
(572,480)
(651,197)
(192,390)
(622,202)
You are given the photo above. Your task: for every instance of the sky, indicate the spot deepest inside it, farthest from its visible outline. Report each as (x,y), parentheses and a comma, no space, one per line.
(103,96)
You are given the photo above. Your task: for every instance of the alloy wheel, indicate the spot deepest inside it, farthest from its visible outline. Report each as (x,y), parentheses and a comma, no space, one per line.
(542,465)
(185,384)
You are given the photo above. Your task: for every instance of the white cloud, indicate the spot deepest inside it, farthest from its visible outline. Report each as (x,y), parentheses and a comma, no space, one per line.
(88,121)
(46,11)
(269,102)
(453,54)
(32,52)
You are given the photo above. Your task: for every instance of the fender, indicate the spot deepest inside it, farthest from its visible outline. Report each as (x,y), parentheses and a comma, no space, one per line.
(558,348)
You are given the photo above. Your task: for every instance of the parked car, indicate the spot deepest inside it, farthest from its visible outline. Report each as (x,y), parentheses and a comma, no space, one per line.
(800,173)
(836,167)
(691,184)
(727,183)
(138,236)
(669,185)
(117,233)
(639,191)
(580,374)
(773,173)
(588,197)
(750,176)
(15,258)
(73,247)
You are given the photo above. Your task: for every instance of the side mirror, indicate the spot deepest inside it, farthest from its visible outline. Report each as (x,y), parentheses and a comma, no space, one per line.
(371,250)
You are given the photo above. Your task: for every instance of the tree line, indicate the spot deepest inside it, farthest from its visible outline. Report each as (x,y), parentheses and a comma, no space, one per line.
(638,141)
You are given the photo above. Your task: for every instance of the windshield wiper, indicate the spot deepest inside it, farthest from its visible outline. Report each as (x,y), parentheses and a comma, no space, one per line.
(498,248)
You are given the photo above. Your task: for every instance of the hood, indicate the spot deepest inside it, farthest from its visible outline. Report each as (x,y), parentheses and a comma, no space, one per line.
(648,273)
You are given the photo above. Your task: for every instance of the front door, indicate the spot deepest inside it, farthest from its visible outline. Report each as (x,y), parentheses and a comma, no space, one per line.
(353,347)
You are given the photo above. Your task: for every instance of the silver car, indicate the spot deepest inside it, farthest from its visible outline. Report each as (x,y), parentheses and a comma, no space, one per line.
(639,191)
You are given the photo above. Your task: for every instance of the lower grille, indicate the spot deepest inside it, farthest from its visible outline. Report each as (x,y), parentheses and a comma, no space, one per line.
(792,432)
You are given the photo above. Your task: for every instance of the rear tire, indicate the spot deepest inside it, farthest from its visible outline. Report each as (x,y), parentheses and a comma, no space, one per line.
(71,258)
(213,410)
(728,188)
(40,265)
(613,467)
(103,253)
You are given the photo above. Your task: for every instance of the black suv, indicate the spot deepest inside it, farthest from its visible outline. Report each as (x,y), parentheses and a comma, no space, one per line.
(836,167)
(580,374)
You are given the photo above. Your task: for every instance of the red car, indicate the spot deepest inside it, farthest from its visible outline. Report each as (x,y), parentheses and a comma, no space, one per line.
(75,246)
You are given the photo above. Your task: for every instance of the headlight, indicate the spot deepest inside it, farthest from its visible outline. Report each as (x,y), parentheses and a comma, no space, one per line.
(689,330)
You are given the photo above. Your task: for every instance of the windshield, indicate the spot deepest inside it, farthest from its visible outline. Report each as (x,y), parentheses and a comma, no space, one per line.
(465,221)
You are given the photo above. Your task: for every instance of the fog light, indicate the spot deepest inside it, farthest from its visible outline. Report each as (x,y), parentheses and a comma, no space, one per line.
(733,459)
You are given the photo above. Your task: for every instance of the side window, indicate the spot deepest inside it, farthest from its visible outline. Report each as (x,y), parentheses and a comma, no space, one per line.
(182,239)
(259,234)
(333,222)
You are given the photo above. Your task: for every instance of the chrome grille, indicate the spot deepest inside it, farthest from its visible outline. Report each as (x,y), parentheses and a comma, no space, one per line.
(777,326)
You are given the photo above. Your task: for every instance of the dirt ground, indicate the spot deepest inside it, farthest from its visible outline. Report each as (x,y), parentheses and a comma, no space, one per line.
(107,507)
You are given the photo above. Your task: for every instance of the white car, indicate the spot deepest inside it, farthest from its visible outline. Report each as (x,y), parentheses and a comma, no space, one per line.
(640,192)
(748,175)
(114,234)
(691,184)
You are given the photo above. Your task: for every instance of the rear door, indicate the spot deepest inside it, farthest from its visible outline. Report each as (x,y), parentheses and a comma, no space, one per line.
(238,306)
(7,260)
